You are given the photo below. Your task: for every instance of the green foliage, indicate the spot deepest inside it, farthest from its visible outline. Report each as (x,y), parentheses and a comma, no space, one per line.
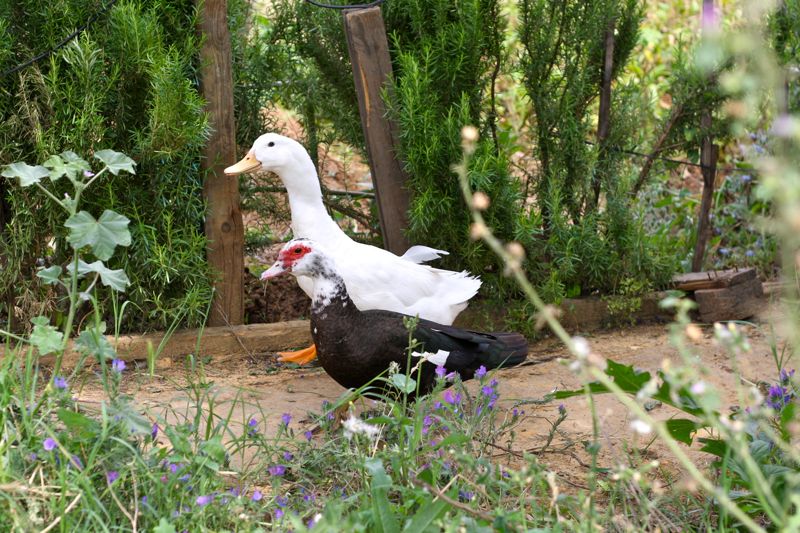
(128,81)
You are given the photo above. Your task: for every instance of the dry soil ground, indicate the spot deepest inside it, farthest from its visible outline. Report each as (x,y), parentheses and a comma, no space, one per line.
(266,389)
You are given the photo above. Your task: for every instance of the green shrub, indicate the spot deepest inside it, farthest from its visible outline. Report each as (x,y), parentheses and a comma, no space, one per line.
(128,81)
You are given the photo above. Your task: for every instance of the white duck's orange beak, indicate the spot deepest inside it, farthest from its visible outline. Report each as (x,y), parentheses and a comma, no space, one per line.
(275,270)
(248,164)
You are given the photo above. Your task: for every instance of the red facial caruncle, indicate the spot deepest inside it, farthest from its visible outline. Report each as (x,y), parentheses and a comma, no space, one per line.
(292,255)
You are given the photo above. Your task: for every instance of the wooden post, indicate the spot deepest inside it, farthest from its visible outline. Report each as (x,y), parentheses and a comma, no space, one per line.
(604,113)
(372,71)
(709,153)
(224,228)
(708,159)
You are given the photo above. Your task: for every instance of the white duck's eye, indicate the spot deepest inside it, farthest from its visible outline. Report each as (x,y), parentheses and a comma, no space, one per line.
(271,143)
(298,250)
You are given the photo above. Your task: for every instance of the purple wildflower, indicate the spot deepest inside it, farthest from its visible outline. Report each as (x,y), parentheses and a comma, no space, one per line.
(481,372)
(308,435)
(32,456)
(465,495)
(778,397)
(88,173)
(487,390)
(288,456)
(204,500)
(60,382)
(282,501)
(118,365)
(286,418)
(724,251)
(174,467)
(278,514)
(144,499)
(154,431)
(256,497)
(112,476)
(562,409)
(441,371)
(749,253)
(277,470)
(49,444)
(312,522)
(785,376)
(76,462)
(449,397)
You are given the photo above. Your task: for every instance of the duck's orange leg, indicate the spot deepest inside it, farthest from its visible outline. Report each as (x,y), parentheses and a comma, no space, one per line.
(300,357)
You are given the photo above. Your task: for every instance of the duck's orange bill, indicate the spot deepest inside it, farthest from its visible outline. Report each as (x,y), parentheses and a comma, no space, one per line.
(248,164)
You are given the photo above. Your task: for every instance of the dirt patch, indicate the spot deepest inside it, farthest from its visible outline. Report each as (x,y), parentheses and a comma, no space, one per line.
(260,387)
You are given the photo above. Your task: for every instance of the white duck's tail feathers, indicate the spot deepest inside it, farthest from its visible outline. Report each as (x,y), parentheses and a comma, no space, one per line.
(422,254)
(453,295)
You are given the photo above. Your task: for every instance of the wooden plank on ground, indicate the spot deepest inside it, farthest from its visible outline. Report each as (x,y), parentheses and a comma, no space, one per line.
(224,227)
(715,279)
(218,343)
(737,302)
(372,74)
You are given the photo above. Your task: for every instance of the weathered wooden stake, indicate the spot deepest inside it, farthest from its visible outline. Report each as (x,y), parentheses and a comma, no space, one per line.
(224,228)
(709,153)
(708,159)
(604,113)
(372,71)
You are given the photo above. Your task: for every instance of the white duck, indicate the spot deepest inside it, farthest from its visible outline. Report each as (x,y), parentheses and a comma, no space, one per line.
(375,278)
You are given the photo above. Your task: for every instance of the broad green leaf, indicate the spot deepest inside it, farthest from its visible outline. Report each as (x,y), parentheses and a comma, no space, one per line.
(681,429)
(180,442)
(121,410)
(27,174)
(214,449)
(425,517)
(92,342)
(380,484)
(103,235)
(404,383)
(67,164)
(50,275)
(164,526)
(116,161)
(46,338)
(80,425)
(716,447)
(116,279)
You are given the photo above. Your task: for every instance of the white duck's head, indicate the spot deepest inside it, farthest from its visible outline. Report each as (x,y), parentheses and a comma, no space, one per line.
(301,257)
(271,152)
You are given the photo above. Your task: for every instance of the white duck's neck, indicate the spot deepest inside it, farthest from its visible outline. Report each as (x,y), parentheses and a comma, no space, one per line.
(310,219)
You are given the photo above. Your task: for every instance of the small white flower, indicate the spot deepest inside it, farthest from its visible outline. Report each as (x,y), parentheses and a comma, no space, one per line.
(698,387)
(394,368)
(354,426)
(581,347)
(640,427)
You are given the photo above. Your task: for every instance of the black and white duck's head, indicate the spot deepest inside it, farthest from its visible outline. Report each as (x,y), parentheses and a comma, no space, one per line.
(301,257)
(271,152)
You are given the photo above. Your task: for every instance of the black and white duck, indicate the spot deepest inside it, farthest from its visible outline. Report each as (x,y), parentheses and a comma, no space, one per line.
(355,346)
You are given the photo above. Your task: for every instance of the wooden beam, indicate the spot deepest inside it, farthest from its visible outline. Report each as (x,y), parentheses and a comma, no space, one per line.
(715,279)
(372,73)
(224,228)
(220,344)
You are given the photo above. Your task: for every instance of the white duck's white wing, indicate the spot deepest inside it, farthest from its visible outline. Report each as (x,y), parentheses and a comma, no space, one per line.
(423,254)
(378,279)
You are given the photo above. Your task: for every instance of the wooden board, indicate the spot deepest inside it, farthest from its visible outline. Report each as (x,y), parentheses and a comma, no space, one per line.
(716,279)
(219,343)
(224,227)
(372,74)
(736,302)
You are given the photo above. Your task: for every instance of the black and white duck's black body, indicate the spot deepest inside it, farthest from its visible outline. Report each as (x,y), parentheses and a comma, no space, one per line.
(355,346)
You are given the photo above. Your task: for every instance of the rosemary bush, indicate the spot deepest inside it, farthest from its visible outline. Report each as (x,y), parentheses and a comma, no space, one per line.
(128,81)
